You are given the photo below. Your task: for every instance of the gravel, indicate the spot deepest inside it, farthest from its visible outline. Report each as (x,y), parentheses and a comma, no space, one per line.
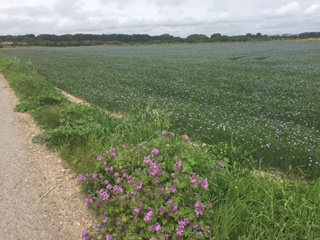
(39,196)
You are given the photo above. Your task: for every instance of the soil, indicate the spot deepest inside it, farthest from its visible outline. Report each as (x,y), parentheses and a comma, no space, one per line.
(39,196)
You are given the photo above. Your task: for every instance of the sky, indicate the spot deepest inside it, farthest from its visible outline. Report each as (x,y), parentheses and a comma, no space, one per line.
(155,17)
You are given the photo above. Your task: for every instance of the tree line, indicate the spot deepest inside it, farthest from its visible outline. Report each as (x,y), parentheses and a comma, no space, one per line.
(118,39)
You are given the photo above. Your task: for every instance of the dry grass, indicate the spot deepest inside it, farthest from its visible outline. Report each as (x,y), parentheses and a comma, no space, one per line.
(77,100)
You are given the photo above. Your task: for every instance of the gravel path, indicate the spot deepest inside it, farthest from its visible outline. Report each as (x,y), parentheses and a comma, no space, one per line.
(39,196)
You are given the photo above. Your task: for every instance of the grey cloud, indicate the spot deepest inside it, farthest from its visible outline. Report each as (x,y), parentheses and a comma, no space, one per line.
(63,6)
(164,3)
(176,17)
(19,26)
(35,11)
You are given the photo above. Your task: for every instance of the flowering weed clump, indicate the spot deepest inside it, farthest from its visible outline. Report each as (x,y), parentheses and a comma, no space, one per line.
(151,191)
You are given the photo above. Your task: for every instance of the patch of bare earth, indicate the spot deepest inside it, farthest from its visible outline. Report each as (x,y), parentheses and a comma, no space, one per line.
(76,100)
(39,196)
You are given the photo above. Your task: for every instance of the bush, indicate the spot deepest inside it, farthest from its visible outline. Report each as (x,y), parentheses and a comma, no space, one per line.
(152,190)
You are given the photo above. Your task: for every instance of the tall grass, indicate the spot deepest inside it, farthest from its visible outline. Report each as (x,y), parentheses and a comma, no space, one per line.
(246,203)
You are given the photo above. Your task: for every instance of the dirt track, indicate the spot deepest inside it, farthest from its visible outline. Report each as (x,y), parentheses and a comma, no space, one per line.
(39,197)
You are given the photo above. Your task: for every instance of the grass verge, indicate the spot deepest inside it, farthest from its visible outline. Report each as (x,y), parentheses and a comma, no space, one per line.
(148,181)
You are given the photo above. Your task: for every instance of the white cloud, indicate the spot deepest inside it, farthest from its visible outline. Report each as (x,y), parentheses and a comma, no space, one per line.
(314,8)
(288,9)
(155,17)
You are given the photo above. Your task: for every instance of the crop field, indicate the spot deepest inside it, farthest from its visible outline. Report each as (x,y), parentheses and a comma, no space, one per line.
(263,96)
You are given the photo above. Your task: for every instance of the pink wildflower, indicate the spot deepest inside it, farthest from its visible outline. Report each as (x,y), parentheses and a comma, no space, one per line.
(81,178)
(85,235)
(147,160)
(205,184)
(108,237)
(117,189)
(149,216)
(156,228)
(140,186)
(155,151)
(175,210)
(185,137)
(178,165)
(136,209)
(94,176)
(88,201)
(104,195)
(193,178)
(182,225)
(199,209)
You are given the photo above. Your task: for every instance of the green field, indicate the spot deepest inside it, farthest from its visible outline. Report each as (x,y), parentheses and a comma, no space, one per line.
(264,96)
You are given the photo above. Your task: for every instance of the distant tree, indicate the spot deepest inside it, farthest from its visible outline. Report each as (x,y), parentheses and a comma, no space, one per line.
(47,37)
(216,37)
(197,38)
(81,39)
(164,38)
(309,35)
(178,40)
(66,37)
(239,38)
(10,38)
(29,38)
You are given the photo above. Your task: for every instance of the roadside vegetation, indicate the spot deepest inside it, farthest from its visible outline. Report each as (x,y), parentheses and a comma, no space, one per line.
(147,179)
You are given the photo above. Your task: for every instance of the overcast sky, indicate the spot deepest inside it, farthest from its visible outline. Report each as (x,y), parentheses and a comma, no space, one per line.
(156,17)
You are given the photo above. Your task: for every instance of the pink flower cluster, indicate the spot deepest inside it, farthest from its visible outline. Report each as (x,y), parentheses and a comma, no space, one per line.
(178,165)
(185,137)
(182,225)
(139,187)
(149,215)
(199,209)
(81,178)
(156,228)
(153,167)
(136,209)
(88,202)
(196,181)
(128,189)
(104,195)
(155,152)
(108,237)
(85,235)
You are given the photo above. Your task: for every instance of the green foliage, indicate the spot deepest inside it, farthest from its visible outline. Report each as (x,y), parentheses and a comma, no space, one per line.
(253,93)
(167,175)
(77,123)
(33,103)
(138,187)
(246,205)
(32,90)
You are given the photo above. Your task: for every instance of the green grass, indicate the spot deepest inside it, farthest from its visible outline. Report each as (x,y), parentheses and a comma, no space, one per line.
(246,205)
(264,96)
